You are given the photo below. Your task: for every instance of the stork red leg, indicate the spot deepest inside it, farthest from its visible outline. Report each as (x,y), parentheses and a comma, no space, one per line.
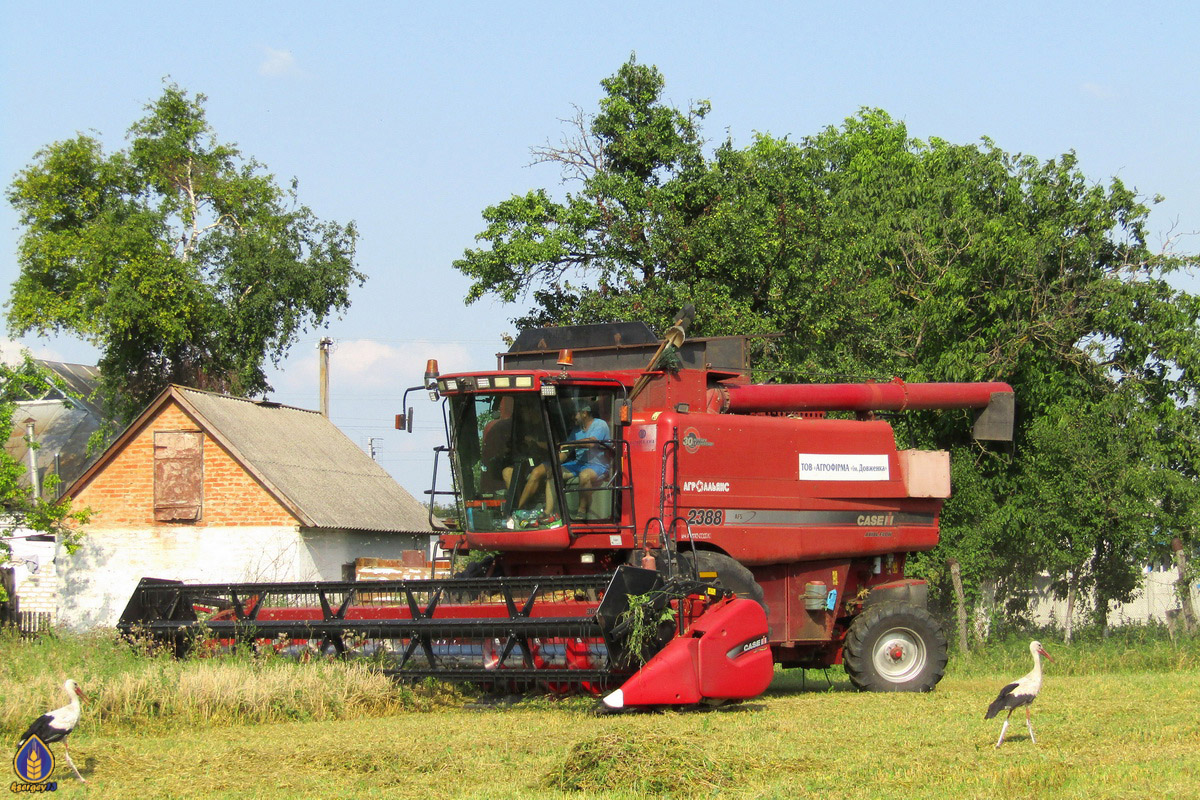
(67,753)
(1004,728)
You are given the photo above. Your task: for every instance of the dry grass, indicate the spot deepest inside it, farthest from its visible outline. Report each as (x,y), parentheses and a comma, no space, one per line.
(125,689)
(644,763)
(329,731)
(208,693)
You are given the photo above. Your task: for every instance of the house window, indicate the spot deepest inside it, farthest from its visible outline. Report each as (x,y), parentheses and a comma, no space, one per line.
(178,476)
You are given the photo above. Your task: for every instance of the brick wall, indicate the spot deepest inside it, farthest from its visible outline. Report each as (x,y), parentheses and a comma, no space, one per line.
(122,493)
(40,592)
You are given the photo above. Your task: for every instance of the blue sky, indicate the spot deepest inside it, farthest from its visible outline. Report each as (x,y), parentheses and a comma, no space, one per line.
(410,118)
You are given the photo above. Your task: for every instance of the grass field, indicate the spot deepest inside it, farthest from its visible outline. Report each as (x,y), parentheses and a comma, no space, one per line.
(1115,720)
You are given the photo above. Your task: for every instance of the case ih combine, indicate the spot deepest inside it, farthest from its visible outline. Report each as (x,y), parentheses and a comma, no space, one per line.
(706,529)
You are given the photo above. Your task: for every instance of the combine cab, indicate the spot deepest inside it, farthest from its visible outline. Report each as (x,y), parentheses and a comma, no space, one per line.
(645,524)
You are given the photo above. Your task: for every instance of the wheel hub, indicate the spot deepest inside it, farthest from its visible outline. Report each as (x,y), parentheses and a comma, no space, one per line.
(899,655)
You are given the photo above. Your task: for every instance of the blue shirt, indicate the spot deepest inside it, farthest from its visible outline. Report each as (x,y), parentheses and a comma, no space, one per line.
(598,430)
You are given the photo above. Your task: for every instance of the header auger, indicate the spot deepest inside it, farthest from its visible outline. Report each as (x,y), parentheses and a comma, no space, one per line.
(656,529)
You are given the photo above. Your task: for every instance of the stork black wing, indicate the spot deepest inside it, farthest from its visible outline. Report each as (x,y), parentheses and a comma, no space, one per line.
(998,704)
(42,728)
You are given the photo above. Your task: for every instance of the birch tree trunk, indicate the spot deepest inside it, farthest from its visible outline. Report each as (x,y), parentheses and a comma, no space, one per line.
(1069,622)
(961,600)
(1183,587)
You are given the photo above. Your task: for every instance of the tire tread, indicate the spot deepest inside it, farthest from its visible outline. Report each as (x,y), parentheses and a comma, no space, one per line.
(876,620)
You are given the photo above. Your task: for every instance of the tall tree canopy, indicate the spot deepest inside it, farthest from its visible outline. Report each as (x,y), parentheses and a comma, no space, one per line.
(877,254)
(182,261)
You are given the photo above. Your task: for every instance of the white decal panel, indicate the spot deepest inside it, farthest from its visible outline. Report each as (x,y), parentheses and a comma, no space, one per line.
(645,438)
(844,467)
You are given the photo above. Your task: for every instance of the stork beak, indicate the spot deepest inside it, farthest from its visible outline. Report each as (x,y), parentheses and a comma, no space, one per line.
(1047,655)
(79,692)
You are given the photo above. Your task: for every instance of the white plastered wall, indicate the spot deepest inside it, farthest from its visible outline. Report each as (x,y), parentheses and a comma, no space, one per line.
(97,580)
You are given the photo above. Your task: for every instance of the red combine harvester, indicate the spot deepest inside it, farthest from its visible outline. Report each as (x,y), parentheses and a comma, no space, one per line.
(641,522)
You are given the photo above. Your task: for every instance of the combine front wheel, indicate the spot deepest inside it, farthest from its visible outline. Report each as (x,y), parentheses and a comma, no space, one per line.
(730,573)
(895,647)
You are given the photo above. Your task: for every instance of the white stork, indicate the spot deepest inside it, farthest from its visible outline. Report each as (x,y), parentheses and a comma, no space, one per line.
(56,725)
(1020,693)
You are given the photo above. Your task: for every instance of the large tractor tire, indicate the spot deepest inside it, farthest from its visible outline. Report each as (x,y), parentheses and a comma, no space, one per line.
(480,568)
(731,574)
(895,647)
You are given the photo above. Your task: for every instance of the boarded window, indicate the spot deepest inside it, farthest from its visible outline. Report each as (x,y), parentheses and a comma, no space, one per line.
(178,476)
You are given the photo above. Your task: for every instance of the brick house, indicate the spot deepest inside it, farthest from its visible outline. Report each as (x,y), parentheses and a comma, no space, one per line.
(210,488)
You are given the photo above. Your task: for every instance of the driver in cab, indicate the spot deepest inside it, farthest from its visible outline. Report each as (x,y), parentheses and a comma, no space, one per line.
(589,462)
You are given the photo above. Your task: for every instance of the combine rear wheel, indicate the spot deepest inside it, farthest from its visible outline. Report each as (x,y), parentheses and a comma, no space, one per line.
(895,647)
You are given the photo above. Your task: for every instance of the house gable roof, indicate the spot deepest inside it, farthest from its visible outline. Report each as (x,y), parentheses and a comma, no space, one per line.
(309,466)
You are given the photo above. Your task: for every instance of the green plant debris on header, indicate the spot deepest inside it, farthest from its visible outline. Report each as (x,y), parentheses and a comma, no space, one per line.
(645,618)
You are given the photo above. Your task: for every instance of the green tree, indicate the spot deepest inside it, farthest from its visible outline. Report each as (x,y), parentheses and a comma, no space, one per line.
(1088,499)
(20,510)
(182,261)
(624,226)
(876,254)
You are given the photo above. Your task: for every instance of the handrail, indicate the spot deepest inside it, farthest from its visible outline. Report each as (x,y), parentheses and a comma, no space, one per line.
(621,487)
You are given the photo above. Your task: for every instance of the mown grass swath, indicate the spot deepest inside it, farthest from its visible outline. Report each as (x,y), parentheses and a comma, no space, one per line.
(128,687)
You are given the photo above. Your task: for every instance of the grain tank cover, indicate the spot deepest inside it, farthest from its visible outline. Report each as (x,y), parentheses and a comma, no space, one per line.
(620,346)
(605,334)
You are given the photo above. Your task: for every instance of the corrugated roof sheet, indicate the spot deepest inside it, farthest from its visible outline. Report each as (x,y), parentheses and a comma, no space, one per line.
(61,430)
(304,458)
(81,380)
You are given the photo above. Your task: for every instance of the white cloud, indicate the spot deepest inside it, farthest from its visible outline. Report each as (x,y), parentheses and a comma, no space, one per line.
(373,364)
(12,352)
(1098,91)
(359,365)
(278,63)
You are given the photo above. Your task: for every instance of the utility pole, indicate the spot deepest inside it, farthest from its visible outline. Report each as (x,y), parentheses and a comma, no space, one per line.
(371,440)
(323,346)
(34,480)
